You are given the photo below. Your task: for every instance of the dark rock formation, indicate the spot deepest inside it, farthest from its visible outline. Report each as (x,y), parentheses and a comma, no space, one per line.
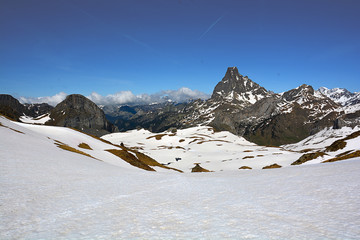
(11,107)
(78,112)
(244,108)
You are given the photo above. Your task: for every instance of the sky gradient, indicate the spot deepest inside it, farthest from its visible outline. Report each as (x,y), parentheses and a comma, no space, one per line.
(106,47)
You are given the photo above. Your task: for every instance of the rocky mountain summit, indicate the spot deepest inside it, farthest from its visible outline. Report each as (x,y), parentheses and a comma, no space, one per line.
(235,88)
(244,108)
(78,112)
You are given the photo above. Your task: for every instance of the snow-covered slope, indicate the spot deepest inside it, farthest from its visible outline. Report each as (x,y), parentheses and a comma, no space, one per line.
(215,151)
(49,193)
(38,120)
(56,143)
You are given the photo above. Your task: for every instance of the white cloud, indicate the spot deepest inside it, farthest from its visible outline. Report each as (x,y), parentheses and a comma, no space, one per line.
(51,100)
(126,97)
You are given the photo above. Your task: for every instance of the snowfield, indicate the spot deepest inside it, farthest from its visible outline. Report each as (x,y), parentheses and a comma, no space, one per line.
(50,193)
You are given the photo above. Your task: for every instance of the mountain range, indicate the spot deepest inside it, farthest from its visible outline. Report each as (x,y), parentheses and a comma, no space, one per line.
(244,108)
(237,104)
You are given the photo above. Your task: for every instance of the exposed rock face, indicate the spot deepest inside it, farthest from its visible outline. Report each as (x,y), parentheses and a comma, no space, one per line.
(244,108)
(236,88)
(78,112)
(339,95)
(38,109)
(12,108)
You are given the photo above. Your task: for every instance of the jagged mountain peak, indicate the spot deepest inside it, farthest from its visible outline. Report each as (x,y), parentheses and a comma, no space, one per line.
(237,88)
(338,95)
(299,93)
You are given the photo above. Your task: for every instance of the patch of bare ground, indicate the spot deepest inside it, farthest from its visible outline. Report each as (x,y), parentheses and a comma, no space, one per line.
(306,150)
(248,157)
(157,137)
(71,149)
(85,146)
(130,158)
(307,157)
(139,159)
(182,140)
(344,153)
(248,151)
(337,145)
(11,129)
(245,167)
(275,165)
(136,148)
(340,144)
(344,157)
(259,155)
(196,139)
(198,168)
(201,142)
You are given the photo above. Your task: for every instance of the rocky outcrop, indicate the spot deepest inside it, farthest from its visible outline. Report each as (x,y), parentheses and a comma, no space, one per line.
(78,112)
(235,88)
(12,108)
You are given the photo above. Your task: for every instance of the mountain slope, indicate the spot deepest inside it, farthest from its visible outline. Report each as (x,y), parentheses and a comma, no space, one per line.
(50,193)
(244,108)
(27,141)
(78,112)
(238,89)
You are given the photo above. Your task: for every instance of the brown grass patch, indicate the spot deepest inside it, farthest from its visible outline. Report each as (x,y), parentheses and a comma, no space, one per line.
(130,158)
(245,167)
(344,157)
(344,153)
(11,128)
(157,137)
(205,141)
(248,157)
(275,165)
(198,168)
(340,144)
(139,160)
(307,157)
(71,149)
(306,150)
(337,145)
(84,146)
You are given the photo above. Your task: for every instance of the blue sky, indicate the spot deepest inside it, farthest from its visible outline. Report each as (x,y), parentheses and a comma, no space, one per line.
(104,46)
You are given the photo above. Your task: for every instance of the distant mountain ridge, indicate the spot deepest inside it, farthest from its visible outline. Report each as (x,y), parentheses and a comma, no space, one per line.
(237,104)
(244,108)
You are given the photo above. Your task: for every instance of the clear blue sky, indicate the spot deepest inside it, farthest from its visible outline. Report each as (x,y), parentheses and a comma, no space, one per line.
(81,46)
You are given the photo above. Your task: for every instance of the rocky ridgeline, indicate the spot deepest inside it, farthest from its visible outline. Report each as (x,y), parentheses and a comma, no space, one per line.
(244,108)
(237,104)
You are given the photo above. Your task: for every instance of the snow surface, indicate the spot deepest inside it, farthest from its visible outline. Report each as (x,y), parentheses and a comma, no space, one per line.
(49,193)
(215,151)
(39,120)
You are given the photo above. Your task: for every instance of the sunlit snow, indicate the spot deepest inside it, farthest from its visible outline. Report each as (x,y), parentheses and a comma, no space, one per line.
(49,193)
